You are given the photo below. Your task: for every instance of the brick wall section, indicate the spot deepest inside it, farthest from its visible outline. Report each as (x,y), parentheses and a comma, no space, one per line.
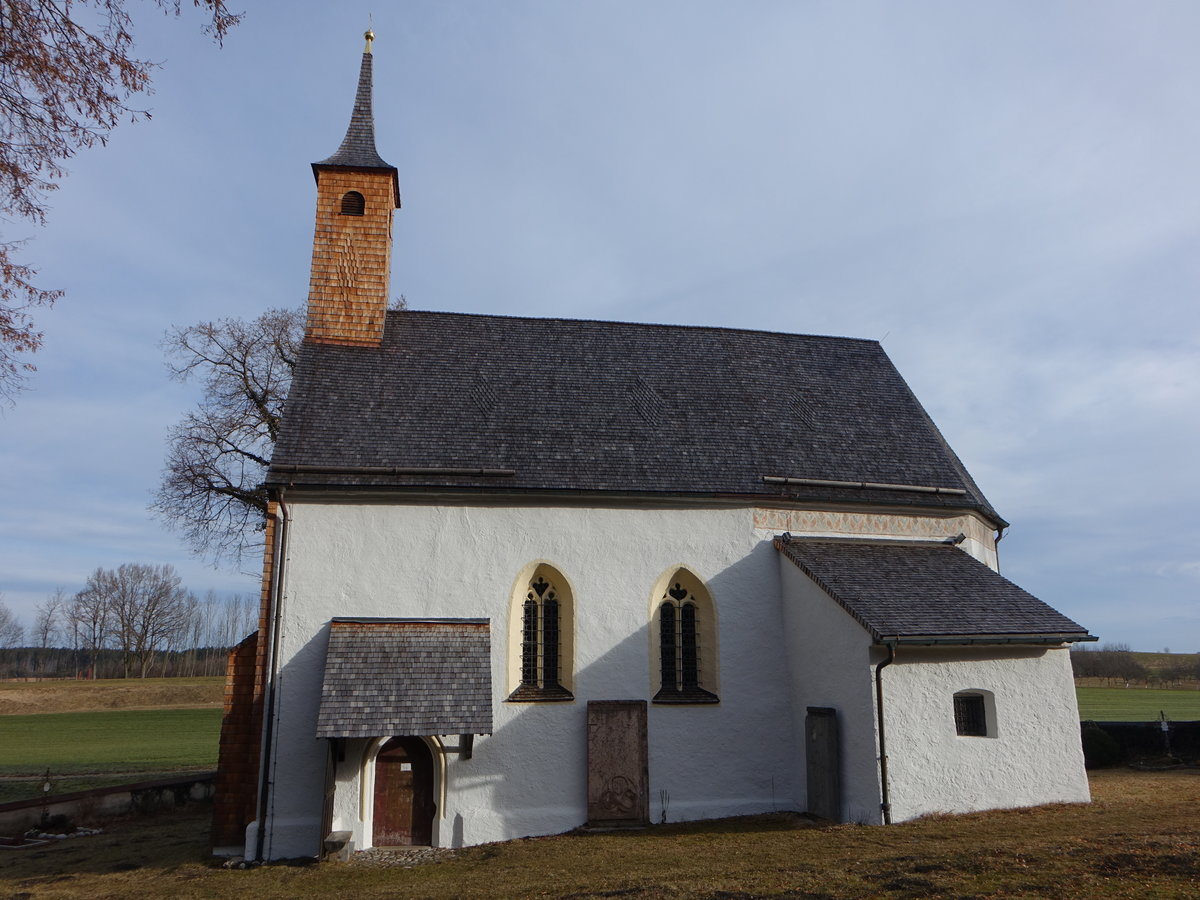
(235,790)
(348,291)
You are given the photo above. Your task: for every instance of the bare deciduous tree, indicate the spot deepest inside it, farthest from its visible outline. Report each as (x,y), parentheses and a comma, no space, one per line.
(218,454)
(47,623)
(47,626)
(90,619)
(149,608)
(1112,662)
(66,74)
(12,633)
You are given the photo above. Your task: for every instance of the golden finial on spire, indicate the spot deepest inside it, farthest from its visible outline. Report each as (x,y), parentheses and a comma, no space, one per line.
(370,36)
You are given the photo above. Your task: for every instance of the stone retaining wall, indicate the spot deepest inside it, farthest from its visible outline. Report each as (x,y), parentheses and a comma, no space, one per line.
(86,807)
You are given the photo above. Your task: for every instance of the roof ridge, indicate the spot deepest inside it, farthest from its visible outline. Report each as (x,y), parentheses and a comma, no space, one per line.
(648,325)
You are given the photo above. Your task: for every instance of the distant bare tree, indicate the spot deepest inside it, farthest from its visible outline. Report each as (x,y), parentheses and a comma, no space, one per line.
(149,608)
(1112,662)
(12,633)
(218,454)
(47,626)
(239,618)
(90,619)
(47,623)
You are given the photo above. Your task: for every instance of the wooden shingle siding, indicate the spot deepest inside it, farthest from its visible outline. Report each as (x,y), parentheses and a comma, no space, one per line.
(348,289)
(236,786)
(237,756)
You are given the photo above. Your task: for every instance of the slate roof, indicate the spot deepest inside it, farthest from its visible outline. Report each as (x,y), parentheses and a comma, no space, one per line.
(358,146)
(917,592)
(496,403)
(406,677)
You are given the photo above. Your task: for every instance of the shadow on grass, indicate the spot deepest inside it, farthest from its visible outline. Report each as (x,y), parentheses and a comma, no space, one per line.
(1141,837)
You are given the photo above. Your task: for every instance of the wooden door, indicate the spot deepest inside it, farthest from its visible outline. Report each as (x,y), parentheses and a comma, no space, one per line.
(618,783)
(404,807)
(823,757)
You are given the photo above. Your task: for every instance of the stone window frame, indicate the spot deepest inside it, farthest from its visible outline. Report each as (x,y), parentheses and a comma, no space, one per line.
(684,651)
(541,637)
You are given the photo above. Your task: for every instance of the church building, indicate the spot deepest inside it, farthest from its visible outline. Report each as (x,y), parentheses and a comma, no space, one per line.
(525,575)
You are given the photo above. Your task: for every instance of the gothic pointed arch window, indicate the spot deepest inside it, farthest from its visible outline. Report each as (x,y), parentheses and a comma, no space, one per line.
(353,204)
(685,648)
(543,616)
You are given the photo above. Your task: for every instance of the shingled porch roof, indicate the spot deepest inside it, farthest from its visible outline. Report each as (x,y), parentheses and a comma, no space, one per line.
(406,677)
(926,593)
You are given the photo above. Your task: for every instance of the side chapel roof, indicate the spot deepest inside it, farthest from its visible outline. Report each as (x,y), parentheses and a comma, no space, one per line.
(926,593)
(495,403)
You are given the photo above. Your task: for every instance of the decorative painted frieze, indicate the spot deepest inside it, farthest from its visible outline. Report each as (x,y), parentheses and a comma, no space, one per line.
(980,541)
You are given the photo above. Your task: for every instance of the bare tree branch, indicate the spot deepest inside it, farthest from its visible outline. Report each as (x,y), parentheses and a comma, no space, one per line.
(12,633)
(66,74)
(148,610)
(218,454)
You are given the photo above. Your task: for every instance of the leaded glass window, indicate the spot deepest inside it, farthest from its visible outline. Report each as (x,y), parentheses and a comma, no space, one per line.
(680,650)
(541,644)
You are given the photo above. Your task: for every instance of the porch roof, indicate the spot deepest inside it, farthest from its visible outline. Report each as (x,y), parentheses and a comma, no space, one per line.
(390,677)
(926,593)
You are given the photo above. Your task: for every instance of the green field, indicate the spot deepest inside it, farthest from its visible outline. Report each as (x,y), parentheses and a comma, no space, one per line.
(94,749)
(1135,704)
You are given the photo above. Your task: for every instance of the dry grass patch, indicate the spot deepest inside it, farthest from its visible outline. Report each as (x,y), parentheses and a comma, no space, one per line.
(1140,838)
(28,697)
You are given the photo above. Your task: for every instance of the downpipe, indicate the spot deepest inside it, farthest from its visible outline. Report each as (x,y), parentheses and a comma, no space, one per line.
(885,796)
(267,762)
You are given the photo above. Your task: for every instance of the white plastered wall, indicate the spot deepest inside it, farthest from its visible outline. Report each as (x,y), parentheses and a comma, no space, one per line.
(830,666)
(1031,756)
(529,776)
(743,755)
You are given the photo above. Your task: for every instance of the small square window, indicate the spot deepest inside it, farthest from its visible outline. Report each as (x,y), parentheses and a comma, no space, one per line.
(970,715)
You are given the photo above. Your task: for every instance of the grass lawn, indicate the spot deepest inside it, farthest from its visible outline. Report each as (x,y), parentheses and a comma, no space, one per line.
(1139,838)
(1135,704)
(144,743)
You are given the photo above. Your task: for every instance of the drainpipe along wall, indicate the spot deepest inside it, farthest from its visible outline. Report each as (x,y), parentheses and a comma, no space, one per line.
(266,767)
(886,803)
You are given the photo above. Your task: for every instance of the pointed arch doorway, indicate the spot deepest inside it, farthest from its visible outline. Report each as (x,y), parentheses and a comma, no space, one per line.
(403,796)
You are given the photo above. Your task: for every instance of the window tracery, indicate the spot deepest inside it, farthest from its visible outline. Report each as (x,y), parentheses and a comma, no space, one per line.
(683,666)
(542,656)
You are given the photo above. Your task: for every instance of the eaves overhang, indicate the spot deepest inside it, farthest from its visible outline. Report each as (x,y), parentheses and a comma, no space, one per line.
(479,482)
(938,640)
(317,168)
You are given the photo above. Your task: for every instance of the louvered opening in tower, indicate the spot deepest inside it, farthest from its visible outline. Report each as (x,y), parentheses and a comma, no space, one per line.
(353,204)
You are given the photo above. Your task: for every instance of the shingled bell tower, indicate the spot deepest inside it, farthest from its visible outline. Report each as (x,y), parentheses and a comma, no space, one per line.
(352,243)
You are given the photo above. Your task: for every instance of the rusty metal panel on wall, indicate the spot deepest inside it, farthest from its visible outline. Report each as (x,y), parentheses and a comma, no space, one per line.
(618,782)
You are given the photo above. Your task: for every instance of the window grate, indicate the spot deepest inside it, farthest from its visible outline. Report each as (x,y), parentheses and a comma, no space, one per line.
(970,715)
(541,645)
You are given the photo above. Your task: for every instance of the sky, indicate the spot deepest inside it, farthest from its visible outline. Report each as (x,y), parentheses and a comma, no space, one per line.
(1006,194)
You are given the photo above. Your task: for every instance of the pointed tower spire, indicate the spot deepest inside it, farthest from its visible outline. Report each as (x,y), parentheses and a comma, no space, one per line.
(352,243)
(358,146)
